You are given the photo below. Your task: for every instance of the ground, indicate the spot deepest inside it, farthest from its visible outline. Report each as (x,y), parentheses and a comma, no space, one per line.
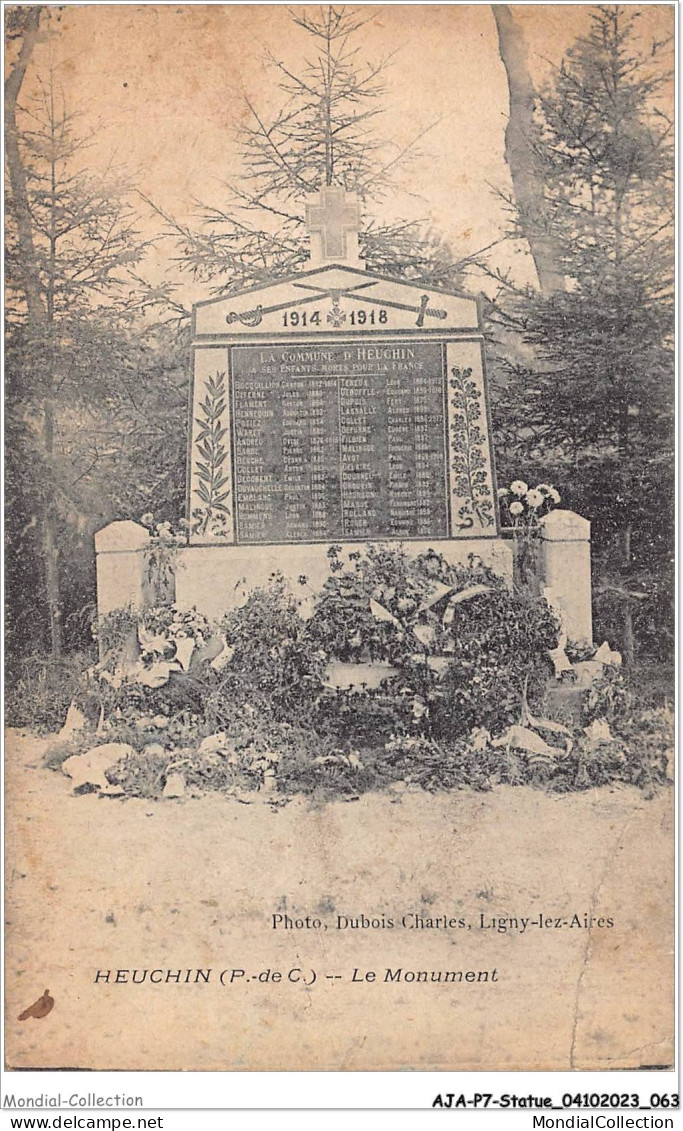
(97,884)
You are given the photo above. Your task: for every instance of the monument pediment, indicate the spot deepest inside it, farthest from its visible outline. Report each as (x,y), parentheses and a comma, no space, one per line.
(335,299)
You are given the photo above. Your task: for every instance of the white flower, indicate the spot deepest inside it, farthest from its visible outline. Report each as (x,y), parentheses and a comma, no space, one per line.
(519,487)
(516,508)
(534,498)
(502,492)
(419,708)
(147,519)
(549,492)
(160,721)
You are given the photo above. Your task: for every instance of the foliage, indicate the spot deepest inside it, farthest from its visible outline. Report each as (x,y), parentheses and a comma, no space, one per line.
(57,752)
(237,759)
(114,631)
(420,761)
(367,717)
(579,650)
(649,739)
(459,650)
(40,689)
(145,774)
(464,664)
(161,554)
(608,698)
(343,623)
(384,594)
(272,665)
(390,607)
(141,774)
(499,643)
(522,506)
(635,762)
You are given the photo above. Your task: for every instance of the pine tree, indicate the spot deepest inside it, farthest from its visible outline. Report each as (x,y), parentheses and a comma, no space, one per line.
(597,404)
(76,343)
(326,132)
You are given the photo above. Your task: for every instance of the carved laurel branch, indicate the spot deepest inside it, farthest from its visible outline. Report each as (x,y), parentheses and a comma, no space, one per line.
(470,468)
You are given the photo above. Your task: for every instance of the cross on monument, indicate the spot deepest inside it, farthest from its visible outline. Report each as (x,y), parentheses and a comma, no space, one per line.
(333,222)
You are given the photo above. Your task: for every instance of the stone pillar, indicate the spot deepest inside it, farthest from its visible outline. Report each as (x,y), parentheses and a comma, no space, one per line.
(566,570)
(121,567)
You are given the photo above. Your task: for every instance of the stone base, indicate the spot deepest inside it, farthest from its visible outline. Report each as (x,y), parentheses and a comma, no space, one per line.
(218,578)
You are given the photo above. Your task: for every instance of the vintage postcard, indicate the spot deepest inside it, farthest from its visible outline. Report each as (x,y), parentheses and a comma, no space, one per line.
(339,537)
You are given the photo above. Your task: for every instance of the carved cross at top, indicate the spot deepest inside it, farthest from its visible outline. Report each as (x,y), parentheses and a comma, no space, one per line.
(333,221)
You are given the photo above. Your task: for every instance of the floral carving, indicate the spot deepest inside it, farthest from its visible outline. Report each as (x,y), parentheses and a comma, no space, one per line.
(471,480)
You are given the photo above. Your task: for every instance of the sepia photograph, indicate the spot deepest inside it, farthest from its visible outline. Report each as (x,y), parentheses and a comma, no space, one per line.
(339,537)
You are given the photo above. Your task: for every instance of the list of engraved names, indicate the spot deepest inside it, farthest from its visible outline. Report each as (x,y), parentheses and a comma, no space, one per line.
(338,442)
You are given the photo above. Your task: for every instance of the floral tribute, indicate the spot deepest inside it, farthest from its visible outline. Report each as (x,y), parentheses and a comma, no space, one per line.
(521,509)
(521,506)
(401,669)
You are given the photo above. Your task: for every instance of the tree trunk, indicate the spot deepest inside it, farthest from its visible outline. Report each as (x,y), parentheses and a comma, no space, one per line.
(49,540)
(624,449)
(527,181)
(628,642)
(51,562)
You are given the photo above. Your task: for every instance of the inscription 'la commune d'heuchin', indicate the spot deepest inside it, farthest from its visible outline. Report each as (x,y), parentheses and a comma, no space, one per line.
(358,353)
